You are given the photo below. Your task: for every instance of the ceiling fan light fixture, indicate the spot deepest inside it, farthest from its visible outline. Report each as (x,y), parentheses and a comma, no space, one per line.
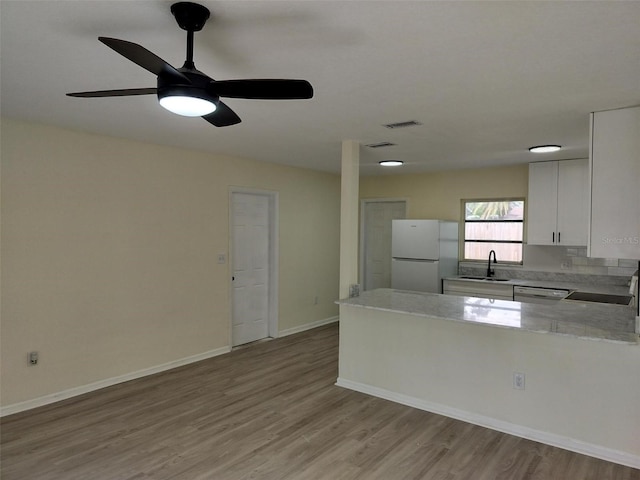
(545,148)
(188,106)
(187,101)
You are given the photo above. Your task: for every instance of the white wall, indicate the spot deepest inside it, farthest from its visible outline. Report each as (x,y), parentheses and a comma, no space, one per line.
(579,394)
(109,254)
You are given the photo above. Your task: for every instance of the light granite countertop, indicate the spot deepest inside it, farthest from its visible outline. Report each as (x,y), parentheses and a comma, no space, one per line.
(560,284)
(613,323)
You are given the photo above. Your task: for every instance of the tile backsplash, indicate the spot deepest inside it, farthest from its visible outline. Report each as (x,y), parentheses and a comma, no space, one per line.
(559,264)
(574,260)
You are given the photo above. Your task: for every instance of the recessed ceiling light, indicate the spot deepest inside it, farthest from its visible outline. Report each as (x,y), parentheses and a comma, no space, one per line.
(545,148)
(391,163)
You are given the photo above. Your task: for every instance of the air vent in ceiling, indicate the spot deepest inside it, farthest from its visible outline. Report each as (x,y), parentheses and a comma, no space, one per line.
(380,145)
(410,123)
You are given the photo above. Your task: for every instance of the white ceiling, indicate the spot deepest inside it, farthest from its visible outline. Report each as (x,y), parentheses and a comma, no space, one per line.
(486,79)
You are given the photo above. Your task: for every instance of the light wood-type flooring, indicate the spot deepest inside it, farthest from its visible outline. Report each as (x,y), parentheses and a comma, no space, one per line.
(267,411)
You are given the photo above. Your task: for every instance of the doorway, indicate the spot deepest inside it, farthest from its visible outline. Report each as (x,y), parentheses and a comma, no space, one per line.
(375,240)
(253,265)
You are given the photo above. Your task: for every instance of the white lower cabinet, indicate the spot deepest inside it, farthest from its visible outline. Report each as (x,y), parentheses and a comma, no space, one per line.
(482,289)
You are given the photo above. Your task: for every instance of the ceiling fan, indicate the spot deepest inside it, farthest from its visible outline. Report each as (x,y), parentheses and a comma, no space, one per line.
(186,90)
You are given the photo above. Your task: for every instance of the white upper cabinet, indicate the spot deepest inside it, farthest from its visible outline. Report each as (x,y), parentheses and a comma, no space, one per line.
(557,212)
(614,230)
(542,203)
(573,202)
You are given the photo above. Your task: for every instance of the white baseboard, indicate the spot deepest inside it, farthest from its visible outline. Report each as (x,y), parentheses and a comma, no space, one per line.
(597,451)
(307,326)
(75,391)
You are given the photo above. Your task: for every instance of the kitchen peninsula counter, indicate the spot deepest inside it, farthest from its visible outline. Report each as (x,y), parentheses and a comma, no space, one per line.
(614,323)
(460,356)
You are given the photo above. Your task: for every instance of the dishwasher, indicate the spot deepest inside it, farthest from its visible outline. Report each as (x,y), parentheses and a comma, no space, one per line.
(538,294)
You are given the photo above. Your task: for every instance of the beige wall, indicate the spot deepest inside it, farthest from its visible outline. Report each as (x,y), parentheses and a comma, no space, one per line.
(438,195)
(109,254)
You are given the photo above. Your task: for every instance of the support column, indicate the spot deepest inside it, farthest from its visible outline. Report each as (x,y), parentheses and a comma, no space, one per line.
(350,183)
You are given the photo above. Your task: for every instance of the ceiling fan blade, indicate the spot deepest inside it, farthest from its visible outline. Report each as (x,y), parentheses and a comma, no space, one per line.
(146,59)
(115,93)
(263,89)
(223,116)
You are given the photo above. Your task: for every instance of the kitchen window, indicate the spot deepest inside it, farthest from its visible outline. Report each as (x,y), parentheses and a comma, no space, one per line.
(493,225)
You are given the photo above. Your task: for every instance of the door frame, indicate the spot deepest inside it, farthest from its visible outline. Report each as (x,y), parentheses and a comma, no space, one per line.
(363,204)
(273,197)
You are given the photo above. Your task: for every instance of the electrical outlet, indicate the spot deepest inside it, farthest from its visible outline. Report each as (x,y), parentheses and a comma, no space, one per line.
(33,358)
(518,381)
(565,265)
(222,258)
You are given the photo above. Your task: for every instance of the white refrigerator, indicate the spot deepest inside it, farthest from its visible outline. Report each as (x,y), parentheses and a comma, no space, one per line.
(423,252)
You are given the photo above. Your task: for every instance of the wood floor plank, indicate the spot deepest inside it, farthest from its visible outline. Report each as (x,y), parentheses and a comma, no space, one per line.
(267,411)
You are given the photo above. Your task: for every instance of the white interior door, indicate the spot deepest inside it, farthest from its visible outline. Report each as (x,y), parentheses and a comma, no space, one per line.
(377,241)
(250,265)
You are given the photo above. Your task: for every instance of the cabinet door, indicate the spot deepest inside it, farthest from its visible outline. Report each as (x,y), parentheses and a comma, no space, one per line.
(542,203)
(615,184)
(573,202)
(463,288)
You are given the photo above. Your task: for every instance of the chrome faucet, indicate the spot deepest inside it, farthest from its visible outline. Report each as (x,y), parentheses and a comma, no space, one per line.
(490,272)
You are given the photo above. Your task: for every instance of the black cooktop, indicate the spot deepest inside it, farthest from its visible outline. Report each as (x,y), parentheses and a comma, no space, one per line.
(600,298)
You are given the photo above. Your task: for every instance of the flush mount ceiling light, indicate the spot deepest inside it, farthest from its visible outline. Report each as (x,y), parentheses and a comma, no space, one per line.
(545,148)
(410,123)
(391,163)
(380,144)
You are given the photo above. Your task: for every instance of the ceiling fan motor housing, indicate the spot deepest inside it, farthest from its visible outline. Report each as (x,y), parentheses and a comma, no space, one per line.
(190,16)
